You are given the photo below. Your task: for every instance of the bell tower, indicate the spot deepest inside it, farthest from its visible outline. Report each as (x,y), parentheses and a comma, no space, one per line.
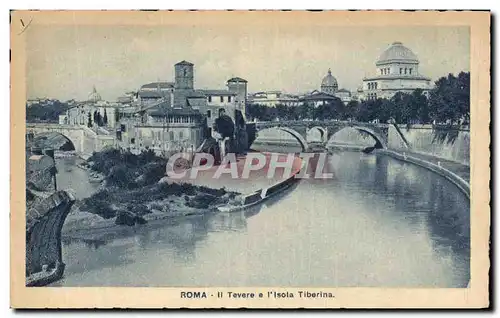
(238,85)
(184,74)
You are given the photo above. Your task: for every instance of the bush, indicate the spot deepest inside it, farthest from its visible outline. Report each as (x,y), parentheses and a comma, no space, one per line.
(122,177)
(121,168)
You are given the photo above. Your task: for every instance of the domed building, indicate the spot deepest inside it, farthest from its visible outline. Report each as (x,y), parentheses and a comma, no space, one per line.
(329,92)
(397,71)
(94,96)
(329,84)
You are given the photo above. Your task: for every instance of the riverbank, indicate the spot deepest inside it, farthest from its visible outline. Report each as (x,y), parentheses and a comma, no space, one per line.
(457,173)
(130,190)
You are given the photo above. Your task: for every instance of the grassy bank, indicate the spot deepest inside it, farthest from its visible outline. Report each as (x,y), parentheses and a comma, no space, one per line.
(132,189)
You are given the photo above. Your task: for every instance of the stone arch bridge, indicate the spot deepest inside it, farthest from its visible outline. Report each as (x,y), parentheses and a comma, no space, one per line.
(84,139)
(299,130)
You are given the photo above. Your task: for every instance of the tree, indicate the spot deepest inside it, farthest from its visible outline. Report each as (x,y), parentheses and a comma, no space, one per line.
(89,123)
(421,105)
(224,126)
(369,110)
(99,119)
(350,109)
(387,111)
(47,112)
(105,118)
(449,100)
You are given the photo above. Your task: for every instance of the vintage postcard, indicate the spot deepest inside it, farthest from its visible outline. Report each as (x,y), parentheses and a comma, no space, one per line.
(250,159)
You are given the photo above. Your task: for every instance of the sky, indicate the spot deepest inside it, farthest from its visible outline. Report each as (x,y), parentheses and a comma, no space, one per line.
(65,62)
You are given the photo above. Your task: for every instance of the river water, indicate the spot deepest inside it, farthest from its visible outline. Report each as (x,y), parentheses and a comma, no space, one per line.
(378,223)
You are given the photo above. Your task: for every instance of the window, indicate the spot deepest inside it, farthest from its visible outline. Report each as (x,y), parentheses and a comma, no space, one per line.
(222,99)
(132,140)
(229,98)
(410,71)
(400,70)
(171,135)
(209,113)
(381,71)
(181,135)
(406,70)
(209,99)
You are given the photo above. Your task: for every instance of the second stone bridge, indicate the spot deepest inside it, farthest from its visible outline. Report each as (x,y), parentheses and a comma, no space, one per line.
(299,130)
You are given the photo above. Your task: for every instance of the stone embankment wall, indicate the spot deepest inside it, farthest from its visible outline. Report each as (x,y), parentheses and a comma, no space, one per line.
(453,145)
(44,220)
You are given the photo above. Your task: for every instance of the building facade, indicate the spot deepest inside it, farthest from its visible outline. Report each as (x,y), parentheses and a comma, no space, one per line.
(102,114)
(273,98)
(329,92)
(174,116)
(397,70)
(164,130)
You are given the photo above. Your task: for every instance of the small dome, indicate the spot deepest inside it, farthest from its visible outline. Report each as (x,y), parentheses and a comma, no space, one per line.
(94,96)
(329,80)
(397,52)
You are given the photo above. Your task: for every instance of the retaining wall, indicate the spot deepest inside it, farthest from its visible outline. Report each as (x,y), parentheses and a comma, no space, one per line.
(424,139)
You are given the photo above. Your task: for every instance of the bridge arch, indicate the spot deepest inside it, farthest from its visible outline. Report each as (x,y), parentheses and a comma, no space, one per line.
(301,139)
(323,131)
(53,139)
(379,141)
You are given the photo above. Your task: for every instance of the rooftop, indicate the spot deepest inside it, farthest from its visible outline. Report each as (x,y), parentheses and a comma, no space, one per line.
(169,111)
(150,94)
(237,79)
(184,62)
(158,84)
(329,80)
(216,92)
(319,96)
(397,52)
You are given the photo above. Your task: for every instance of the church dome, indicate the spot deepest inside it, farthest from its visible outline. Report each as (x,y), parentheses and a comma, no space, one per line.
(94,96)
(329,83)
(397,53)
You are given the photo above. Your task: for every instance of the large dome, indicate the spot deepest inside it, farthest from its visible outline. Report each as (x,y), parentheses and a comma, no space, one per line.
(329,80)
(397,52)
(94,96)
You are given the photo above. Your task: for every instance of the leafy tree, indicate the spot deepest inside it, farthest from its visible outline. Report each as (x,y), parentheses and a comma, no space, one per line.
(46,111)
(105,118)
(224,125)
(89,122)
(450,99)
